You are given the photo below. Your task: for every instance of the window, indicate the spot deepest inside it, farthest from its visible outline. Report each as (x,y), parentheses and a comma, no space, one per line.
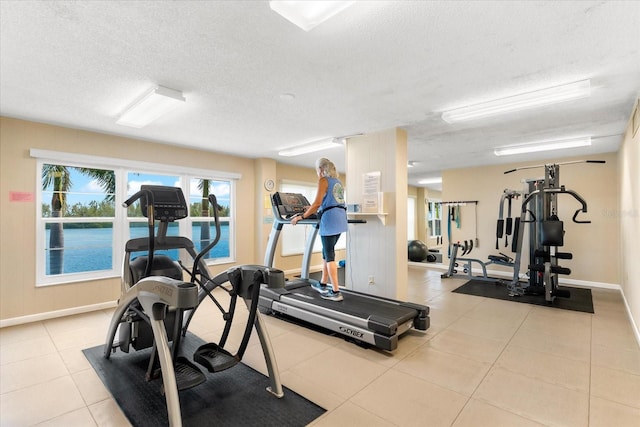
(76,223)
(202,228)
(136,221)
(82,228)
(434,218)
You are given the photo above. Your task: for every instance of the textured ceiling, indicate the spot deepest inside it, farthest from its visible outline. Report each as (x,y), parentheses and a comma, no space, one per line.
(377,65)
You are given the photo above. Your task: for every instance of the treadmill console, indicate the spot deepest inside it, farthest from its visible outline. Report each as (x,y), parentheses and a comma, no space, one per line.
(169,203)
(289,204)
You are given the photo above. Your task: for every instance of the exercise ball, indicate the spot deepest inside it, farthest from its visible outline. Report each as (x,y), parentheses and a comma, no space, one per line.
(417,251)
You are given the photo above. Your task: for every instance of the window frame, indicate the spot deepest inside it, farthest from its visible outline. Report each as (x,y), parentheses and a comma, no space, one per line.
(121,168)
(42,279)
(431,222)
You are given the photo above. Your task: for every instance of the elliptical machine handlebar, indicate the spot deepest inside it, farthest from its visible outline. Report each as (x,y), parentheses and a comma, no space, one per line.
(216,207)
(148,195)
(144,192)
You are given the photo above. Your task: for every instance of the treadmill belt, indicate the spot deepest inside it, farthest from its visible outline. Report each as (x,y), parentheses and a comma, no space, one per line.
(353,304)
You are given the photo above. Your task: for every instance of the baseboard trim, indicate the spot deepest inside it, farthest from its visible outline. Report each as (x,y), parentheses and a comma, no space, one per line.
(55,314)
(506,274)
(437,265)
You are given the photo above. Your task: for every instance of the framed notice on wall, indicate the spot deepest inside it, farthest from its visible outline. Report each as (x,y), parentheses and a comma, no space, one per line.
(370,192)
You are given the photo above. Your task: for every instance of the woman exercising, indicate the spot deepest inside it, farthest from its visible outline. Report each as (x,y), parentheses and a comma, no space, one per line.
(332,210)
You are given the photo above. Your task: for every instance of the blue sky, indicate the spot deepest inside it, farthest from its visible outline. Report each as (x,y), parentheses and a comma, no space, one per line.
(85,189)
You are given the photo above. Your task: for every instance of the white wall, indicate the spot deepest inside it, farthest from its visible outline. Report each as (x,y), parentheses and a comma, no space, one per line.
(629,217)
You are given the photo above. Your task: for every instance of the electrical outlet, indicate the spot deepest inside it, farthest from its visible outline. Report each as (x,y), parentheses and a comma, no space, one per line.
(371,281)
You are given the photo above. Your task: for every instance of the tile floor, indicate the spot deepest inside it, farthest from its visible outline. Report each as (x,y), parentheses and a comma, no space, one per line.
(483,362)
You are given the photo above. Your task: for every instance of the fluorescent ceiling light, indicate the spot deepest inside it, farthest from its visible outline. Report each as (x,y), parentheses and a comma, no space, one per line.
(535,147)
(308,14)
(581,89)
(430,181)
(324,144)
(156,103)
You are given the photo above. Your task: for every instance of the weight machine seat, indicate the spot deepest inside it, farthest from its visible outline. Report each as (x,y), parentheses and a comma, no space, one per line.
(501,259)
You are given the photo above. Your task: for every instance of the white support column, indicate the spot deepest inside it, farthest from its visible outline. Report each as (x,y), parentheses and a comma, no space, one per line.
(377,250)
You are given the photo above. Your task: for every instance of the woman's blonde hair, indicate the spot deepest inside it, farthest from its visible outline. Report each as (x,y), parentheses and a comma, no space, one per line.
(327,168)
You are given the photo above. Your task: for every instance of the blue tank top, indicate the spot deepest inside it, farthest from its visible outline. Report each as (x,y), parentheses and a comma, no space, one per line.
(334,219)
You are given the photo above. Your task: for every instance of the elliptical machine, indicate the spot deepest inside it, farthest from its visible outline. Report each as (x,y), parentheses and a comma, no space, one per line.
(157,305)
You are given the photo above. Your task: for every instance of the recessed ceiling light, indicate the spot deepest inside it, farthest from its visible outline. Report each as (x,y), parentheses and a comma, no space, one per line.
(523,101)
(151,106)
(308,14)
(287,96)
(323,144)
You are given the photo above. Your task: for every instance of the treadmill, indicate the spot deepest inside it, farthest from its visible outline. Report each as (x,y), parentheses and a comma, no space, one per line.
(361,317)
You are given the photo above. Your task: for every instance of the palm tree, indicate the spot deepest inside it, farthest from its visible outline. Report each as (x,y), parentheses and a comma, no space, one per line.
(105,178)
(59,178)
(205,235)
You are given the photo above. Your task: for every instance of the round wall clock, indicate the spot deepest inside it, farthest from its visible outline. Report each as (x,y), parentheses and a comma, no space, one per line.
(269,185)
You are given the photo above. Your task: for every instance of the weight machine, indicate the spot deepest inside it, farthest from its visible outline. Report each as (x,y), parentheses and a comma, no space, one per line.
(538,217)
(539,214)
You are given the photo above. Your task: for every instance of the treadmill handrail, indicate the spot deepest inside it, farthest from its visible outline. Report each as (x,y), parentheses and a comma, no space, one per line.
(280,221)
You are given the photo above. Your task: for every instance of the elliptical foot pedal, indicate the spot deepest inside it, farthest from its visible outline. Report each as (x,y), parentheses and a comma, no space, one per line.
(214,358)
(187,374)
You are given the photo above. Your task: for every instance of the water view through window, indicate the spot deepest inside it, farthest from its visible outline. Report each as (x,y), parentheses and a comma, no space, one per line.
(90,249)
(79,225)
